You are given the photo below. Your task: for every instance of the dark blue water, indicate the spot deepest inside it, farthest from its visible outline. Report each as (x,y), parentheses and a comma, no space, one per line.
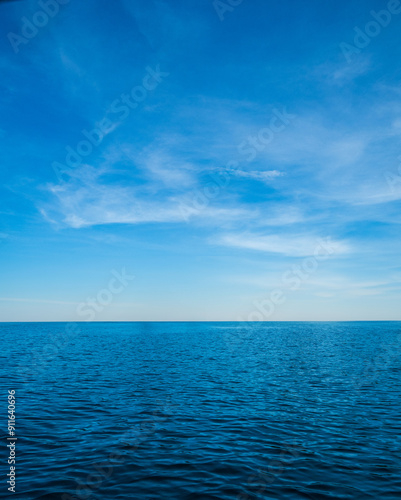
(204,410)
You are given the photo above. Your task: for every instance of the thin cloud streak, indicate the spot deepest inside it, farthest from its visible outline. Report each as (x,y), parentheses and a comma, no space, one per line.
(298,246)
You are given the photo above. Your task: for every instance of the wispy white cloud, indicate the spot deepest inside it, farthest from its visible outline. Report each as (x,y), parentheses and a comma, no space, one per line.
(264,175)
(297,245)
(90,199)
(162,168)
(341,73)
(341,285)
(280,215)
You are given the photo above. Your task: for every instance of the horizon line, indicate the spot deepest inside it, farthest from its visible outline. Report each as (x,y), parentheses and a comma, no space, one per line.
(218,321)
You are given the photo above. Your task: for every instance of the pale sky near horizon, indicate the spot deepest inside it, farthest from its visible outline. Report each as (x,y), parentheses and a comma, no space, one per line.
(196,160)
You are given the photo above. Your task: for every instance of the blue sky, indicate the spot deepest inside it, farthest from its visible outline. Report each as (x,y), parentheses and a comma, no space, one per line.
(204,150)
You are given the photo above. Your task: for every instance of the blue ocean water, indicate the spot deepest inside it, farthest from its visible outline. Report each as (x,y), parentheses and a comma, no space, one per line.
(203,410)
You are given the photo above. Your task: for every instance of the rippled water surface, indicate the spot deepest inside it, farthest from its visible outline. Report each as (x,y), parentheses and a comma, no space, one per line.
(204,410)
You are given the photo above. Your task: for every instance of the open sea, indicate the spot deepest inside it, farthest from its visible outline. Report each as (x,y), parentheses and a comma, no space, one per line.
(203,410)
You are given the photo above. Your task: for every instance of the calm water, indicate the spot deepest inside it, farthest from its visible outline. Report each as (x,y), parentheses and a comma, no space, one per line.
(204,410)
